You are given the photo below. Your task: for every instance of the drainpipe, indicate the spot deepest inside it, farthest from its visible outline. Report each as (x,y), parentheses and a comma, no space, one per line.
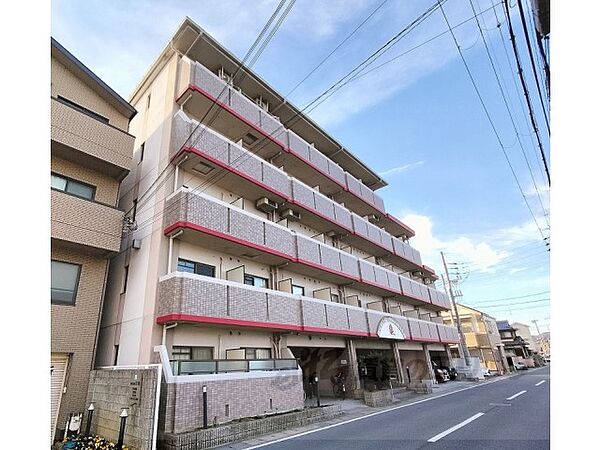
(179,233)
(164,333)
(176,177)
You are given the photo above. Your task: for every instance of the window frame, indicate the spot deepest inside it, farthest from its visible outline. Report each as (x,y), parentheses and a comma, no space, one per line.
(190,352)
(73,180)
(247,276)
(76,289)
(196,265)
(83,109)
(301,287)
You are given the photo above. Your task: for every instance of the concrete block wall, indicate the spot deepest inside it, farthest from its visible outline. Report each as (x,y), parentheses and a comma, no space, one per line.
(230,399)
(113,390)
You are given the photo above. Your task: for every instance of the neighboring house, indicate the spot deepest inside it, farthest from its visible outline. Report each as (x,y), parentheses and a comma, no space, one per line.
(524,331)
(514,345)
(90,154)
(264,243)
(482,337)
(543,344)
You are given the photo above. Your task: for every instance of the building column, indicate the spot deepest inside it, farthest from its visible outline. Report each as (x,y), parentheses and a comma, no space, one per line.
(353,365)
(428,361)
(398,361)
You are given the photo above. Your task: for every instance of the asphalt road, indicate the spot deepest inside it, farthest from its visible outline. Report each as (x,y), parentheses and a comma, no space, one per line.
(478,418)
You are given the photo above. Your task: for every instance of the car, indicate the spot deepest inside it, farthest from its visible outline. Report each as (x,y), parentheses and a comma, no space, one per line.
(520,366)
(486,372)
(453,373)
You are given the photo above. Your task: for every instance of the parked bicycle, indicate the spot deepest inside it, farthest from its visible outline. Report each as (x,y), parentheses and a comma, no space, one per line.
(339,385)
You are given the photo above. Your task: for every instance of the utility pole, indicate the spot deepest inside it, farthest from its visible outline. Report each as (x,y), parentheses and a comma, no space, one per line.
(462,348)
(540,337)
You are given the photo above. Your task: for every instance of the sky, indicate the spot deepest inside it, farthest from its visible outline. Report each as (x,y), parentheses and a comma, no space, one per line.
(417,120)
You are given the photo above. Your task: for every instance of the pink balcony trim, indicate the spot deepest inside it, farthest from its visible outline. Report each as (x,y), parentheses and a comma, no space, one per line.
(234,113)
(327,269)
(322,216)
(230,168)
(411,232)
(201,229)
(423,339)
(254,324)
(309,163)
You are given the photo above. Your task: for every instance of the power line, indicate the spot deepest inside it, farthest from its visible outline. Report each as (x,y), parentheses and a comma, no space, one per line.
(501,305)
(487,50)
(512,298)
(525,90)
(535,74)
(489,118)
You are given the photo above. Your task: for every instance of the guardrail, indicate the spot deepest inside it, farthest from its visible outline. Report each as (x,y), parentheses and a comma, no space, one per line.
(215,366)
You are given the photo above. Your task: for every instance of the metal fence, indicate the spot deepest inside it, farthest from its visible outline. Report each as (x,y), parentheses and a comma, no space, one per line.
(213,366)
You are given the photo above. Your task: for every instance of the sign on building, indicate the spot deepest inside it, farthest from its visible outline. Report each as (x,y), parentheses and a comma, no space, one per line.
(389,329)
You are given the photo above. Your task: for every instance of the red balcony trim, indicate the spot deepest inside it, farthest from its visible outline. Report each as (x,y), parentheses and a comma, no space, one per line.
(402,224)
(321,215)
(255,324)
(327,269)
(230,168)
(422,339)
(234,113)
(201,229)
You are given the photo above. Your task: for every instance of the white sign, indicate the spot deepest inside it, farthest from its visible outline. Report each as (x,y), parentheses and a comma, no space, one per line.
(389,329)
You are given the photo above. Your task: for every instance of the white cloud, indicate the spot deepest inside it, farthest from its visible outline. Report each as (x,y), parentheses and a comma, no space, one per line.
(399,169)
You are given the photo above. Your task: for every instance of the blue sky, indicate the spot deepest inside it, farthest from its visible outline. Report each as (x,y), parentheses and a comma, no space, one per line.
(417,120)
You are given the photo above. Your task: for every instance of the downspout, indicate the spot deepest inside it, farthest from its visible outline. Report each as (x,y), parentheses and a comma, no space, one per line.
(170,257)
(164,332)
(176,177)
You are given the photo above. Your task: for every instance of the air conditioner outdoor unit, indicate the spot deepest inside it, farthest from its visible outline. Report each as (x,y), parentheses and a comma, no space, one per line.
(290,214)
(417,273)
(225,76)
(265,204)
(262,103)
(373,218)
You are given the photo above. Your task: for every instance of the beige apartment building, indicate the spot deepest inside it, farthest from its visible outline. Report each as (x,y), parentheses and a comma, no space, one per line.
(481,336)
(259,252)
(91,153)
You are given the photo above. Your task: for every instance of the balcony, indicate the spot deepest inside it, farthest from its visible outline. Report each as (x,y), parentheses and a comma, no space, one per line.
(220,225)
(184,297)
(216,366)
(84,222)
(252,177)
(242,118)
(76,133)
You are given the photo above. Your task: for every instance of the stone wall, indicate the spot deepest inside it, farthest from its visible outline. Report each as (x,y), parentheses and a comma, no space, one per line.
(113,389)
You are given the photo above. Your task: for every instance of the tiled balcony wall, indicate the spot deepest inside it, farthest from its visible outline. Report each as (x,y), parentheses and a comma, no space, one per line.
(209,82)
(91,136)
(226,154)
(196,298)
(209,215)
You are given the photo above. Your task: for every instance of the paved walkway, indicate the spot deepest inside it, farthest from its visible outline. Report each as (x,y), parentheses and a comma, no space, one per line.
(356,408)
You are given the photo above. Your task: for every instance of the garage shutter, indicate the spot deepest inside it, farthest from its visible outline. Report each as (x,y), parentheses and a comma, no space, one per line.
(58,369)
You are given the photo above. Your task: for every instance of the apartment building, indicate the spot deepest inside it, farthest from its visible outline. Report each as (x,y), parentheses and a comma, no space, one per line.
(259,252)
(481,336)
(91,153)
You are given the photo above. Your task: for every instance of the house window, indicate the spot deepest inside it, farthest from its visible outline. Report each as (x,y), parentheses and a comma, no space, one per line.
(185,353)
(258,353)
(64,282)
(297,290)
(185,265)
(73,187)
(253,280)
(335,298)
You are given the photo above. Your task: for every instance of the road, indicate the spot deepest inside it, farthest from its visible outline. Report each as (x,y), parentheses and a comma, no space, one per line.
(511,413)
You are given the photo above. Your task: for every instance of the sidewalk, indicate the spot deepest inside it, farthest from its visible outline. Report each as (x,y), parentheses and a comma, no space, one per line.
(353,409)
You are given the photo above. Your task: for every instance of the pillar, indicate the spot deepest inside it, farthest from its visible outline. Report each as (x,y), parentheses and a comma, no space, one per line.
(448,355)
(354,377)
(398,361)
(428,361)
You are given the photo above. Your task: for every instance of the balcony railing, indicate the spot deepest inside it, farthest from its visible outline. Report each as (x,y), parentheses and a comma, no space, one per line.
(184,297)
(219,221)
(257,177)
(84,133)
(215,366)
(297,152)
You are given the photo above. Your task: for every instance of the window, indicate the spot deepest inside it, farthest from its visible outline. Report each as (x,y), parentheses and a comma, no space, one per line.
(253,280)
(258,353)
(185,265)
(64,282)
(335,298)
(184,353)
(297,290)
(82,109)
(72,187)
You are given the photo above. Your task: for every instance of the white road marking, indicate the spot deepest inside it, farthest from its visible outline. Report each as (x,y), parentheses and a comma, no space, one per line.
(304,433)
(541,382)
(516,395)
(437,437)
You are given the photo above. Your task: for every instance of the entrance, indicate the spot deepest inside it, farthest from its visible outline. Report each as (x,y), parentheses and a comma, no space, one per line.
(323,362)
(58,371)
(376,368)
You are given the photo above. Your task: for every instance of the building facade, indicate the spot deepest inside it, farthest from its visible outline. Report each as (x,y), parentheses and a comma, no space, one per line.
(91,153)
(257,241)
(524,331)
(482,337)
(516,348)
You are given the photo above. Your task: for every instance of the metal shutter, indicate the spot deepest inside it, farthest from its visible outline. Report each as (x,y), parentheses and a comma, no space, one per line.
(58,363)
